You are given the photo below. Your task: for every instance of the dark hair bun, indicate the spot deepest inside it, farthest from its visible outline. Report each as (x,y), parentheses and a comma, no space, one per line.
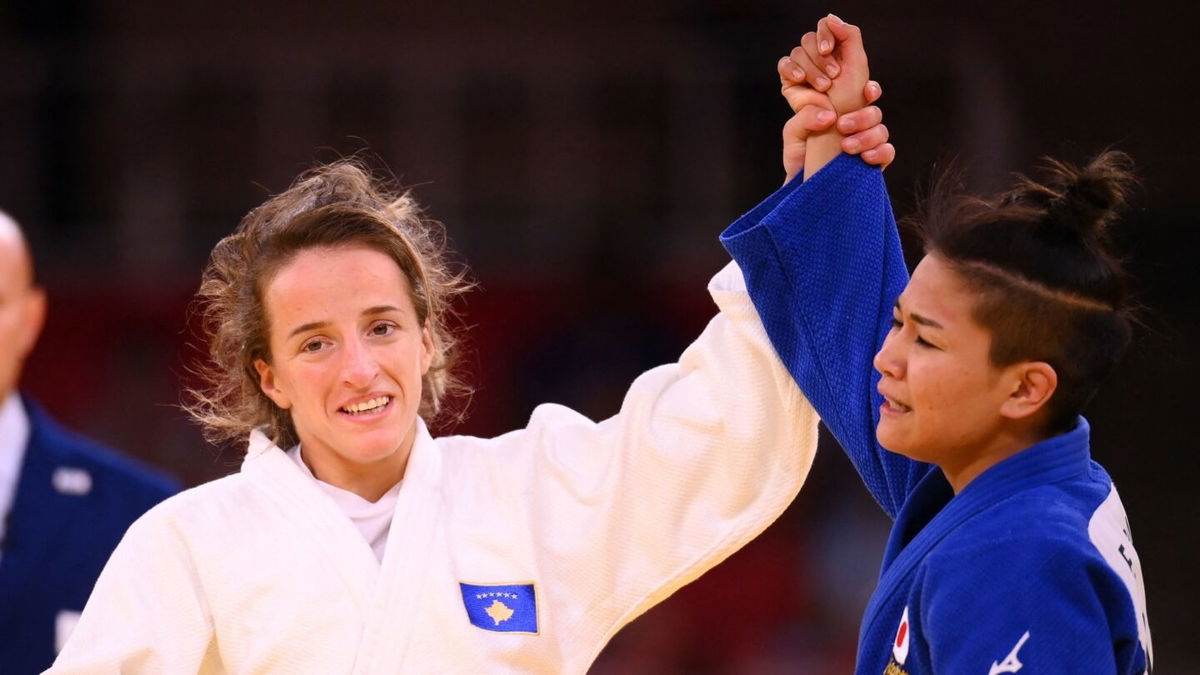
(1046,284)
(1083,201)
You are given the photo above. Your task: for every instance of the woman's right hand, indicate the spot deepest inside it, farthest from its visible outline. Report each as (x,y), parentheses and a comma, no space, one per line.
(833,61)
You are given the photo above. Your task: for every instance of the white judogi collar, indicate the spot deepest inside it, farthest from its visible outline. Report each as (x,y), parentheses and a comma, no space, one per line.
(14,437)
(373,519)
(418,506)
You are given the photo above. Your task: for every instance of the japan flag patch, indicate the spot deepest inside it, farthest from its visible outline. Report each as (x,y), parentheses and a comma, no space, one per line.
(900,644)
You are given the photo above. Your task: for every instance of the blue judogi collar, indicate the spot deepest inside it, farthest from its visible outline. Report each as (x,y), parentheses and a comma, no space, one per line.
(933,510)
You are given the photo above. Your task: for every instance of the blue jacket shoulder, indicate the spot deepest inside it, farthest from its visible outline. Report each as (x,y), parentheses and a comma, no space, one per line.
(63,447)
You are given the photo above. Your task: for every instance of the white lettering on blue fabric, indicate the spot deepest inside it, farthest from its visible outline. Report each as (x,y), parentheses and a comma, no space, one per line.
(1011,663)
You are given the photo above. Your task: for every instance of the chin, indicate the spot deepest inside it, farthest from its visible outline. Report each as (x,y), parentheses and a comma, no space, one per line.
(885,436)
(372,447)
(893,442)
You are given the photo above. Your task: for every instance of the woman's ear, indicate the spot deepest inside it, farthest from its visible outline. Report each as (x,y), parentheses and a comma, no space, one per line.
(1034,383)
(266,381)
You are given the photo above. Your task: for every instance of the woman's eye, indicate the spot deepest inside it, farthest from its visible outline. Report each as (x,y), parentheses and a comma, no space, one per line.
(926,344)
(381,329)
(312,346)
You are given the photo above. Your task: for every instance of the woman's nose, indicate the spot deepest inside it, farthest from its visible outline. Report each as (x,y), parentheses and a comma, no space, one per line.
(359,366)
(887,360)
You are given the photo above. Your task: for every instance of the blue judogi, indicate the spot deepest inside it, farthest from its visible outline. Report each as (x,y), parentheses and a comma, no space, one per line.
(1031,567)
(73,502)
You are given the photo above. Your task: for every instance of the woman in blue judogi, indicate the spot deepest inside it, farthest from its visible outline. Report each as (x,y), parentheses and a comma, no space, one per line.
(957,395)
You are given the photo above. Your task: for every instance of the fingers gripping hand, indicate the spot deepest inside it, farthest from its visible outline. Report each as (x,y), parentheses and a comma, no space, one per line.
(881,155)
(812,67)
(814,60)
(863,131)
(845,47)
(802,68)
(851,91)
(795,136)
(813,112)
(797,86)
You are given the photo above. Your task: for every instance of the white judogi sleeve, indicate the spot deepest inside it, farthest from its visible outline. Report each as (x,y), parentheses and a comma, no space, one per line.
(703,455)
(152,614)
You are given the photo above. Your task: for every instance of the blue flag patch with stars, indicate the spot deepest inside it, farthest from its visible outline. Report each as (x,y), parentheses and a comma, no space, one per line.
(505,609)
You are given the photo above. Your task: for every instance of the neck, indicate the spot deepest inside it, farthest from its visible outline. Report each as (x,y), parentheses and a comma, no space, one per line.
(1001,445)
(370,484)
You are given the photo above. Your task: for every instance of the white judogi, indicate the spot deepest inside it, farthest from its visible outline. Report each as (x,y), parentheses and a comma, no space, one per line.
(260,572)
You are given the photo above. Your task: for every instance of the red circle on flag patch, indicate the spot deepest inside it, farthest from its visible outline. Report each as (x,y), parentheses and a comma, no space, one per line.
(900,633)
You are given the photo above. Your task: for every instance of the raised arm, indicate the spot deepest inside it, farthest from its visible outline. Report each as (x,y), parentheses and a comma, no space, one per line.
(702,456)
(823,264)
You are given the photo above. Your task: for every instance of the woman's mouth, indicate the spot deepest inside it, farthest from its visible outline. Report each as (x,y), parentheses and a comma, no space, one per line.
(369,406)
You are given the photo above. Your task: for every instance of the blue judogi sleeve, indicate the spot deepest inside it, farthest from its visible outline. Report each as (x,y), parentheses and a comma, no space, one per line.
(823,264)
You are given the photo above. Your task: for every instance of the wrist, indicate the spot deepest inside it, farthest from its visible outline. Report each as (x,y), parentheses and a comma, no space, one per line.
(849,104)
(821,149)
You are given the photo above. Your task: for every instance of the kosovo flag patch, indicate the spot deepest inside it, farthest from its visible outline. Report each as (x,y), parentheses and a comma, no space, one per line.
(505,609)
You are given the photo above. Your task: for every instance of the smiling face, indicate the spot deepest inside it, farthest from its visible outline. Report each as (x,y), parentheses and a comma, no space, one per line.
(945,401)
(347,356)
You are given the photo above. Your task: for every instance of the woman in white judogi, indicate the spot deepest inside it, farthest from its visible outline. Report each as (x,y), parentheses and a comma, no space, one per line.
(354,542)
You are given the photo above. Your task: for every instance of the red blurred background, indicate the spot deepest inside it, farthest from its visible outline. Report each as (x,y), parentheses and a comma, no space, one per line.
(584,158)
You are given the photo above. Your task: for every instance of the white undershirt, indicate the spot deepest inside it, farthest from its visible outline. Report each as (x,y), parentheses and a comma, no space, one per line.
(14,437)
(371,518)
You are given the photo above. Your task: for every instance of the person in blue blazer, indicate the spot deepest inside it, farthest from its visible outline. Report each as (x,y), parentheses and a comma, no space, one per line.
(65,501)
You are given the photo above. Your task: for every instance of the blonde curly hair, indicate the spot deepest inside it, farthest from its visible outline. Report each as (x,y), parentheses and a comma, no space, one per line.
(336,204)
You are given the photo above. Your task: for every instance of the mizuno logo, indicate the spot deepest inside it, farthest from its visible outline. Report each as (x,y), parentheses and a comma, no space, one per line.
(1011,663)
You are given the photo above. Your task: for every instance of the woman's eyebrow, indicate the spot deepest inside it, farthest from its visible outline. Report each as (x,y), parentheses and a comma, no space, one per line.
(311,325)
(370,311)
(381,309)
(917,318)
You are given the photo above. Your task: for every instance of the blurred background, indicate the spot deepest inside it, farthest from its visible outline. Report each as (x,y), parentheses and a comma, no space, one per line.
(584,157)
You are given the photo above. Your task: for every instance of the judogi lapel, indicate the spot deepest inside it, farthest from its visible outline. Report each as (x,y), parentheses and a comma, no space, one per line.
(406,563)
